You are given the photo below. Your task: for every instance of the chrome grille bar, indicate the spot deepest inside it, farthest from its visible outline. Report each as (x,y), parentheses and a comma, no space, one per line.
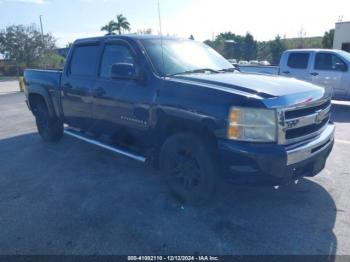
(312,121)
(307,120)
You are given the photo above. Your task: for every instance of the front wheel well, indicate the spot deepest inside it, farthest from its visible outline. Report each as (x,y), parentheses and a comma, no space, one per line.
(171,127)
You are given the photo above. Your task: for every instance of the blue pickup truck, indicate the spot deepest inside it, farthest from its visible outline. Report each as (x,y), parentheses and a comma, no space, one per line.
(181,106)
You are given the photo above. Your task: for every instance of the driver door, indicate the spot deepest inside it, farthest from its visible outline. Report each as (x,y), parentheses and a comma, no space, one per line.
(120,105)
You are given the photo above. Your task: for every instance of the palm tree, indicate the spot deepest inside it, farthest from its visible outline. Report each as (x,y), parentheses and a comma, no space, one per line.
(122,24)
(110,27)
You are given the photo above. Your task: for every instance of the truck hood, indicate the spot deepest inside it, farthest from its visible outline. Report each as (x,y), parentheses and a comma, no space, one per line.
(265,86)
(276,91)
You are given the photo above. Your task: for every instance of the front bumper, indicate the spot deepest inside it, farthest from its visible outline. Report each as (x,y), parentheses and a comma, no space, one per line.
(273,164)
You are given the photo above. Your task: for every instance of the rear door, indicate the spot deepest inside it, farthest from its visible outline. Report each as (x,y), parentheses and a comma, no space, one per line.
(326,73)
(77,84)
(297,65)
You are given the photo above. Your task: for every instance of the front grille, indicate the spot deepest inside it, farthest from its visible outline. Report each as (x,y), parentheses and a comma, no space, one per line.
(306,130)
(303,123)
(306,111)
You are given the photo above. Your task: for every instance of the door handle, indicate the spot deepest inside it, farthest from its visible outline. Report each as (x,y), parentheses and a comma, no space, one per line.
(314,74)
(286,72)
(98,91)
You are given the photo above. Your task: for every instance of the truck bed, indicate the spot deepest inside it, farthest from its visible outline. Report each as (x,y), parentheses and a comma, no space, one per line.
(47,83)
(47,77)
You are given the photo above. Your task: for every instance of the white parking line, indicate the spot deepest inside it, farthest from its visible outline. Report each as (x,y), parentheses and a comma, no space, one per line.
(342,141)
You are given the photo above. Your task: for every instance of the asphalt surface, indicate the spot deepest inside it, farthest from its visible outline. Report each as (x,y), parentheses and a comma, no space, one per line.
(74,198)
(8,85)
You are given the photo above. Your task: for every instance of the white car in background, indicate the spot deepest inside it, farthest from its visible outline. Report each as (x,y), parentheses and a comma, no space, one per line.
(264,63)
(243,62)
(254,62)
(233,61)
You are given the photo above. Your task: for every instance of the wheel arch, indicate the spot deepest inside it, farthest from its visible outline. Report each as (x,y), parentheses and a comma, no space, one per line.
(170,124)
(37,96)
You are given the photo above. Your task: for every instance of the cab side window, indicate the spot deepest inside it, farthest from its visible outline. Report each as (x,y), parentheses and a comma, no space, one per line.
(298,60)
(329,62)
(114,53)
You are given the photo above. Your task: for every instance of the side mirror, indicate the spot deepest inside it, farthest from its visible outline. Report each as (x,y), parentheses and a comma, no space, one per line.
(341,67)
(124,71)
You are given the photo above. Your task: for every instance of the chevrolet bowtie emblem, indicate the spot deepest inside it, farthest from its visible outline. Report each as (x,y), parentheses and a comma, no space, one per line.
(319,116)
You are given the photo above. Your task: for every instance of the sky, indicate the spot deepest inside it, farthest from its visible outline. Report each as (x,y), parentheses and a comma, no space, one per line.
(68,20)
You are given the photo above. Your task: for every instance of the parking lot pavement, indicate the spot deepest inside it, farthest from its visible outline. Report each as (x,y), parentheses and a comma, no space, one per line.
(74,198)
(8,85)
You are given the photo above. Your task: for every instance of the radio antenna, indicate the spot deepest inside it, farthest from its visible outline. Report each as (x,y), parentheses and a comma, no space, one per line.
(161,35)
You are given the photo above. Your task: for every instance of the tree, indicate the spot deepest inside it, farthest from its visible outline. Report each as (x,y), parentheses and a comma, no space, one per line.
(277,47)
(51,60)
(209,43)
(110,27)
(249,47)
(327,40)
(226,44)
(122,24)
(26,45)
(230,45)
(264,52)
(245,47)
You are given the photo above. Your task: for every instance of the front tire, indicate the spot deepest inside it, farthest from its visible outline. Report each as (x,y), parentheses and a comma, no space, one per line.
(49,128)
(190,166)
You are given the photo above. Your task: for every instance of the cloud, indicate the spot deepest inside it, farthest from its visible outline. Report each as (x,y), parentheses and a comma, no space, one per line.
(25,1)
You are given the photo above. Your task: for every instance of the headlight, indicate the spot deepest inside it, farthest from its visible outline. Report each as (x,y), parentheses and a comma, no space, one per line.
(251,124)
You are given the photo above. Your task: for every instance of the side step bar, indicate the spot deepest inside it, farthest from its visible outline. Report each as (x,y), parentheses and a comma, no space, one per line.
(105,146)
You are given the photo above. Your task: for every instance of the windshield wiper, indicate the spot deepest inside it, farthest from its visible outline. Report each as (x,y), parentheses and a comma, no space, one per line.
(201,70)
(231,69)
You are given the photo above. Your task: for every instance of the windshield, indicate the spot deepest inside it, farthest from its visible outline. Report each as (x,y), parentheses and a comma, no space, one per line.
(182,56)
(346,55)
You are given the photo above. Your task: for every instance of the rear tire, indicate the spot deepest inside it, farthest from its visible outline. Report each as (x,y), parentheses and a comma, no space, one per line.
(190,166)
(49,128)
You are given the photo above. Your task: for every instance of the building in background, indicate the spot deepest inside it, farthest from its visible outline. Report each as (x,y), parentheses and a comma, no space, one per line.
(342,36)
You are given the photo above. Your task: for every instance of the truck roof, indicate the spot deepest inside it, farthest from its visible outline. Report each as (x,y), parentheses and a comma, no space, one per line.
(125,37)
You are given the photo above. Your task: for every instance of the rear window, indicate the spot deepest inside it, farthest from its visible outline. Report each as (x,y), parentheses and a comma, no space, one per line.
(84,60)
(298,60)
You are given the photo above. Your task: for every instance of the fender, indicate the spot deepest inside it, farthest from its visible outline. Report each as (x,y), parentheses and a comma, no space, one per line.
(177,119)
(39,90)
(45,83)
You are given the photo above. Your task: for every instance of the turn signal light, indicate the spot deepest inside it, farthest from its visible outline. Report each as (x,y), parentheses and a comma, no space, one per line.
(233,132)
(234,116)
